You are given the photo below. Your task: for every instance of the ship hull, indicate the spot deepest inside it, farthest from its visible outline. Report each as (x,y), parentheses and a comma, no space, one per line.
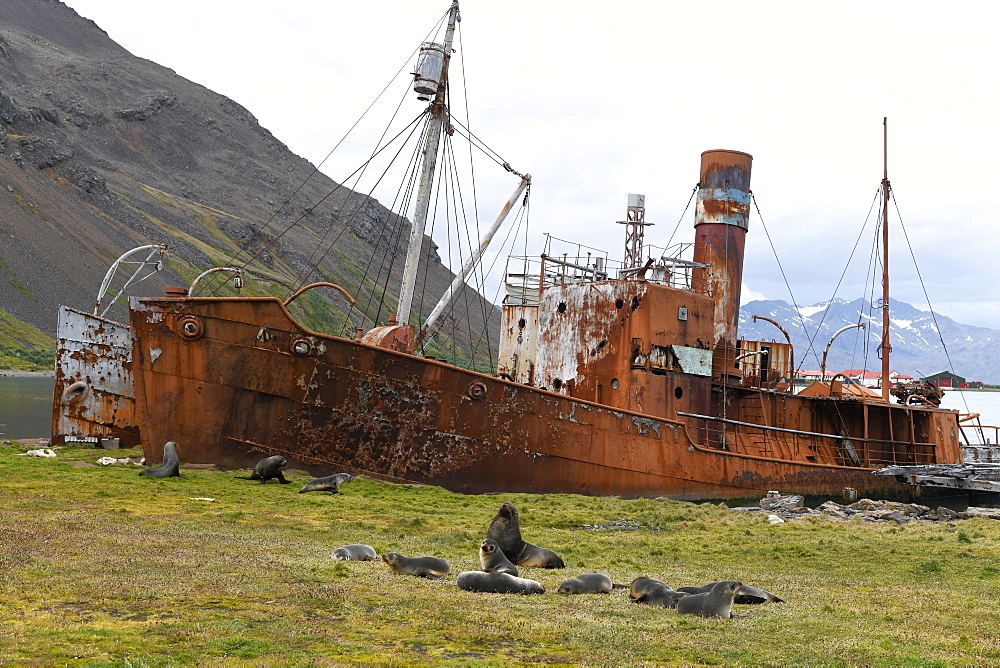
(233,380)
(92,401)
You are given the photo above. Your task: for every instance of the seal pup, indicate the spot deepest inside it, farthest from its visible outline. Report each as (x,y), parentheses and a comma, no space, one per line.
(716,603)
(267,468)
(654,592)
(588,583)
(171,466)
(505,529)
(498,583)
(491,557)
(355,552)
(431,568)
(330,483)
(747,595)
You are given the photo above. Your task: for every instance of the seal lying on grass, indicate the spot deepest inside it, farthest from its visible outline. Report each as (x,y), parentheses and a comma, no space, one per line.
(171,466)
(716,603)
(587,583)
(746,594)
(355,552)
(330,483)
(432,568)
(498,583)
(505,529)
(267,468)
(654,592)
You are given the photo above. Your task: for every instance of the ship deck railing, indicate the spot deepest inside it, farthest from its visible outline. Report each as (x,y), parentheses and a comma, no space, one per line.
(797,445)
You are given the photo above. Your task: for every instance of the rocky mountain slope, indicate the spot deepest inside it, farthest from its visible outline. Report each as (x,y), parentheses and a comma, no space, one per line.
(103,151)
(916,342)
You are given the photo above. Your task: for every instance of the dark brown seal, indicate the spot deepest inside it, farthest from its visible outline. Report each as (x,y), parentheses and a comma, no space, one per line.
(654,592)
(491,557)
(505,529)
(587,583)
(498,583)
(718,602)
(267,468)
(746,595)
(171,466)
(355,552)
(432,568)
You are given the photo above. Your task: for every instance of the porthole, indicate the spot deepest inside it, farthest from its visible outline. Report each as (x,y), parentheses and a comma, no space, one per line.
(191,327)
(614,383)
(678,392)
(557,383)
(562,307)
(75,393)
(619,303)
(477,390)
(301,347)
(521,323)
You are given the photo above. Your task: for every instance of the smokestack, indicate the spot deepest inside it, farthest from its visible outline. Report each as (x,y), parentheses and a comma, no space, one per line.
(720,232)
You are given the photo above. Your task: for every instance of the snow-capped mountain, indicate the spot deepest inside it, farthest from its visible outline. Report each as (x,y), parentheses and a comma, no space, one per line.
(916,338)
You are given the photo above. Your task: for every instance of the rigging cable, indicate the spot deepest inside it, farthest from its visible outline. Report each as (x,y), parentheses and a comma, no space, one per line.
(475,204)
(257,231)
(299,219)
(322,242)
(392,233)
(840,281)
(684,213)
(923,287)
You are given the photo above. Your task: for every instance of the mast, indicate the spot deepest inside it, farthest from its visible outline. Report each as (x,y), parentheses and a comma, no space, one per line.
(886,346)
(437,117)
(473,260)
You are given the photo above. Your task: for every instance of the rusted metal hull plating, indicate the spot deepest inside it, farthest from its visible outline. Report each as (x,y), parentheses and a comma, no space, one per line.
(93,397)
(231,379)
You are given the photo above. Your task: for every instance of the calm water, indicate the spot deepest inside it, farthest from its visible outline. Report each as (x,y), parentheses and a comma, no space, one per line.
(986,403)
(26,407)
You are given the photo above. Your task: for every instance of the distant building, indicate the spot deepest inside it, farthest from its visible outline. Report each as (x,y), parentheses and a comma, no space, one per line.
(873,379)
(954,381)
(804,376)
(858,376)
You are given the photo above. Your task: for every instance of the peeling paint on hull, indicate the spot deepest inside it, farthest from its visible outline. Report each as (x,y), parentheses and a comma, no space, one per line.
(93,395)
(228,395)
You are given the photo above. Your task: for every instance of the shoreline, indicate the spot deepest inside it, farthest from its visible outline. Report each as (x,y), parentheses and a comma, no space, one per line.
(12,373)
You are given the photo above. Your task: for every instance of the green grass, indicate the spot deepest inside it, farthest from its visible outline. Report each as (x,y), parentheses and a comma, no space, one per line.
(101,566)
(25,204)
(15,333)
(23,289)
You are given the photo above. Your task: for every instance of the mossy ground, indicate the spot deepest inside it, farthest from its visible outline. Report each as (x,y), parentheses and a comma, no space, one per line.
(101,566)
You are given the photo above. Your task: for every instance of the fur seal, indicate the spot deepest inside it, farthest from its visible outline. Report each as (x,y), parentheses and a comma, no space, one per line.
(498,583)
(267,468)
(432,568)
(330,483)
(747,595)
(492,558)
(171,466)
(355,552)
(654,592)
(716,603)
(505,529)
(588,583)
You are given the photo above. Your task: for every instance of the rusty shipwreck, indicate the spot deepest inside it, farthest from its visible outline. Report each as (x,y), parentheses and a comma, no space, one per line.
(626,380)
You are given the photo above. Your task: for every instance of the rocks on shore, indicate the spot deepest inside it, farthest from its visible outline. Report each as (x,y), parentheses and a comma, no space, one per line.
(791,507)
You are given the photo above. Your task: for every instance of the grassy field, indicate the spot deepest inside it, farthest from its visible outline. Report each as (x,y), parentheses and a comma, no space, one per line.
(101,566)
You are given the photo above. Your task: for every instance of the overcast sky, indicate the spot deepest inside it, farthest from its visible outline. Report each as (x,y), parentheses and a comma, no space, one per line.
(597,100)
